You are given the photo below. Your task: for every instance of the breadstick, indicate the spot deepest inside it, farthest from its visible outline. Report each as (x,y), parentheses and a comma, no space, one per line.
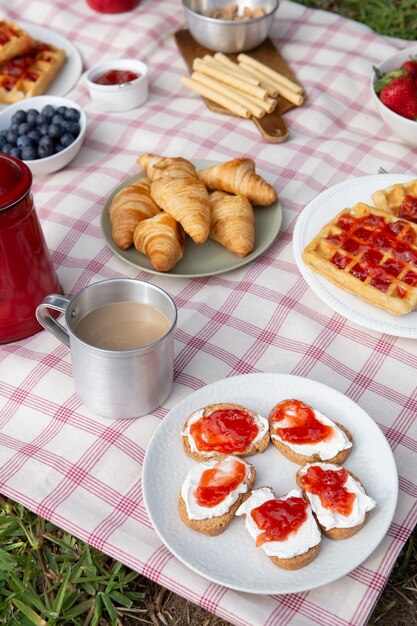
(234,71)
(276,76)
(226,77)
(234,67)
(216,97)
(283,91)
(253,107)
(268,105)
(266,83)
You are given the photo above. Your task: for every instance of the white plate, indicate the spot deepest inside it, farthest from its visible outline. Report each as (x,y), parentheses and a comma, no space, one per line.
(72,68)
(318,212)
(231,559)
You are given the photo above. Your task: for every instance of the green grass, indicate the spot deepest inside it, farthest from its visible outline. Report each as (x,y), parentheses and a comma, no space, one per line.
(387,17)
(49,577)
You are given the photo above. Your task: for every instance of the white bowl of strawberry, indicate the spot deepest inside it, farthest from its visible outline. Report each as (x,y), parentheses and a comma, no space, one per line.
(394,88)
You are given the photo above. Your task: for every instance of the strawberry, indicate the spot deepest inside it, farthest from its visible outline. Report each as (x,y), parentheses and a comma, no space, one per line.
(400,95)
(411,67)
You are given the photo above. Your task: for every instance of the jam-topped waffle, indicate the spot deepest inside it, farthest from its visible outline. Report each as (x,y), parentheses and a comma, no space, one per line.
(399,200)
(13,40)
(370,253)
(30,74)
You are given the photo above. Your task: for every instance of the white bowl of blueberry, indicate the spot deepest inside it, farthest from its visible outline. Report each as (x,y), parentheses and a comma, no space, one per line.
(45,131)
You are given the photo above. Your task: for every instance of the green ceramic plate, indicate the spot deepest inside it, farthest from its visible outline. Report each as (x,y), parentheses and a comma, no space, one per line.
(206,259)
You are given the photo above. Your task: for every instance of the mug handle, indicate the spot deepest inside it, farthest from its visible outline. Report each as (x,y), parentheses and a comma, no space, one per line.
(45,319)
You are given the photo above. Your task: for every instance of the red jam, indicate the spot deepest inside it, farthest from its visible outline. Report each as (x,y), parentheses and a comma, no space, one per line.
(302,425)
(368,239)
(116,77)
(329,486)
(408,209)
(216,484)
(19,67)
(6,33)
(225,430)
(279,518)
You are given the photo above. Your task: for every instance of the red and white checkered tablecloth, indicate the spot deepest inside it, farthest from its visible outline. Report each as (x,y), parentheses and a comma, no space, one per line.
(84,473)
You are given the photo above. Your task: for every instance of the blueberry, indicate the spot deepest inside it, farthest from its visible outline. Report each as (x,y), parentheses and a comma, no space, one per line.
(73,128)
(6,148)
(59,147)
(46,141)
(58,119)
(72,115)
(19,116)
(24,141)
(29,154)
(16,152)
(62,110)
(45,151)
(44,129)
(31,116)
(55,131)
(41,119)
(3,139)
(24,128)
(48,111)
(11,137)
(35,135)
(14,126)
(67,139)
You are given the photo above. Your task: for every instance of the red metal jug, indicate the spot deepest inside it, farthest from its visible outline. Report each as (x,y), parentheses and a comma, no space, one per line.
(26,271)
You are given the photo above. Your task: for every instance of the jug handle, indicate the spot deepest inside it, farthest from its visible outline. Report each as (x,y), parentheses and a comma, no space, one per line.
(45,319)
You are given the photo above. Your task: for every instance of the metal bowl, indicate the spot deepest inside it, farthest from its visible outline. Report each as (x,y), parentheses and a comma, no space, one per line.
(229,35)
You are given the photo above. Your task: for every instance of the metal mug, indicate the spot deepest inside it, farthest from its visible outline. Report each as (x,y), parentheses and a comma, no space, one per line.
(115,383)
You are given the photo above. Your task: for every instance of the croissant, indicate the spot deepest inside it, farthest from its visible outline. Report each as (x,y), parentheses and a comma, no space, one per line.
(156,166)
(177,190)
(232,222)
(239,177)
(161,239)
(130,206)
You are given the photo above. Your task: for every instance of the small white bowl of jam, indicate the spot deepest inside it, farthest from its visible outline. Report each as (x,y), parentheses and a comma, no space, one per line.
(119,85)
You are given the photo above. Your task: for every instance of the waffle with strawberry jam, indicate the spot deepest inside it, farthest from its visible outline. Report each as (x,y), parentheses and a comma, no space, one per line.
(399,200)
(30,74)
(13,40)
(370,253)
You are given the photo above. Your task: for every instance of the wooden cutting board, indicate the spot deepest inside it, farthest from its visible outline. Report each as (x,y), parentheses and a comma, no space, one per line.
(272,126)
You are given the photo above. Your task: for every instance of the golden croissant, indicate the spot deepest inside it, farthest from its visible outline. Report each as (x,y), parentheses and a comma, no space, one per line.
(129,207)
(232,222)
(239,177)
(177,190)
(161,239)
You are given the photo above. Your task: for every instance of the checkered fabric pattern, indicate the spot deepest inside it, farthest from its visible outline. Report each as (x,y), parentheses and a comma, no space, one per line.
(83,472)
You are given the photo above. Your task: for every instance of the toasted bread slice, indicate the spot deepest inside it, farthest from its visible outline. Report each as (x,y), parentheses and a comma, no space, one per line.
(303,459)
(309,529)
(216,525)
(253,448)
(336,533)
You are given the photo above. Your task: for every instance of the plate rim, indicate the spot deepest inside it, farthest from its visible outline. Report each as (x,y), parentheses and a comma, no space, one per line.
(69,45)
(252,256)
(276,375)
(319,285)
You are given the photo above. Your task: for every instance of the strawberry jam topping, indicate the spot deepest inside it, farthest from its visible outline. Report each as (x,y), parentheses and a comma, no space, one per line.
(6,33)
(329,485)
(408,209)
(22,67)
(279,518)
(225,431)
(116,77)
(301,424)
(216,483)
(369,239)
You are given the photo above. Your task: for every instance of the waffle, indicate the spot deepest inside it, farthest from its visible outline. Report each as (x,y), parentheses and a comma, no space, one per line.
(370,253)
(13,41)
(399,200)
(30,74)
